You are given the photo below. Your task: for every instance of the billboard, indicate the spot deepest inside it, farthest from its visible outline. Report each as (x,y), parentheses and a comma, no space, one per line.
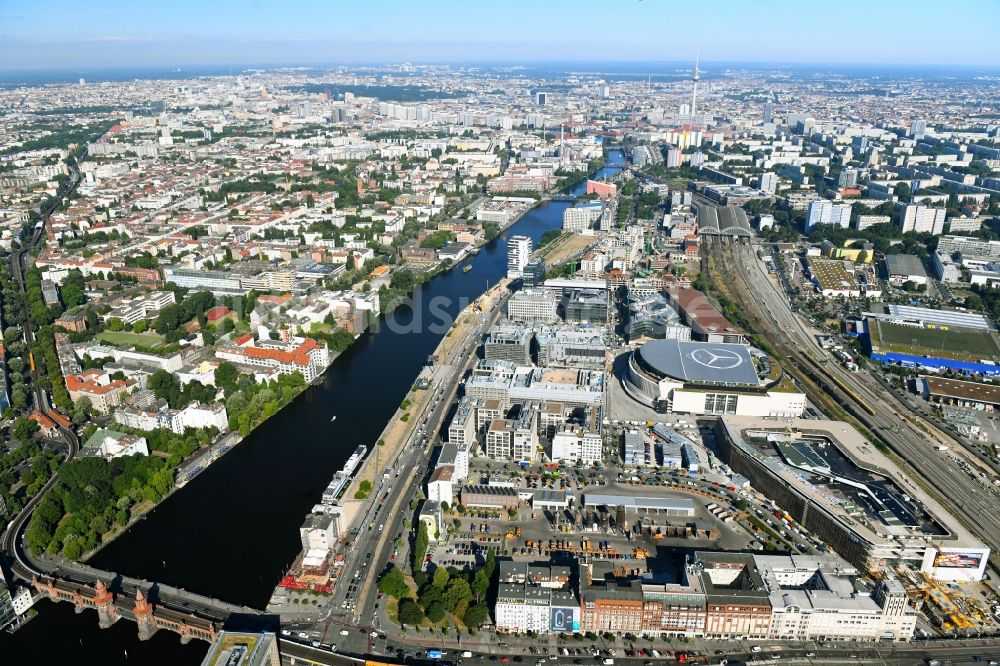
(957,559)
(565,619)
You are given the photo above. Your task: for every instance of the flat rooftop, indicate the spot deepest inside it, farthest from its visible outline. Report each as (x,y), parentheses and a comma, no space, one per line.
(831,274)
(940,387)
(851,457)
(680,505)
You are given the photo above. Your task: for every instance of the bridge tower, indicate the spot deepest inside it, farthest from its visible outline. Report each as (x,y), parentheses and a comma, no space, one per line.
(104,601)
(143,611)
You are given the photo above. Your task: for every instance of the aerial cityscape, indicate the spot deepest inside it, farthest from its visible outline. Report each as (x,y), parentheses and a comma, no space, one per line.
(558,332)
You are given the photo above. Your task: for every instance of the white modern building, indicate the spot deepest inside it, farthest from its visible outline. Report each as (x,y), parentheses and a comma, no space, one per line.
(581,218)
(518,254)
(533,305)
(922,219)
(827,212)
(819,598)
(572,446)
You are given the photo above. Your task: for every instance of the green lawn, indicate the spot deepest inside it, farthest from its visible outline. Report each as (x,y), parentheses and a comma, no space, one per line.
(959,343)
(125,338)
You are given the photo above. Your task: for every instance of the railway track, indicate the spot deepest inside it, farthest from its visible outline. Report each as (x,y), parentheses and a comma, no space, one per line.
(851,401)
(22,564)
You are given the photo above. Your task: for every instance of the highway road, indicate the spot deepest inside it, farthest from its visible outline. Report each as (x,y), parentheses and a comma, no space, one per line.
(878,410)
(377,529)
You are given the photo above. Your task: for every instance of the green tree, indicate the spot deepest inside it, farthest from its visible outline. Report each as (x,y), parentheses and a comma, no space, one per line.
(115,324)
(480,585)
(436,611)
(82,410)
(458,593)
(393,583)
(902,191)
(364,488)
(476,616)
(420,542)
(23,429)
(226,377)
(440,579)
(491,564)
(410,612)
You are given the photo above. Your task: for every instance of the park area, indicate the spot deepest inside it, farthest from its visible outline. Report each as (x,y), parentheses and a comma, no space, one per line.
(129,339)
(566,246)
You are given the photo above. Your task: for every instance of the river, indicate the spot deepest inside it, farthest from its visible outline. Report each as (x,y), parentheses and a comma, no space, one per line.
(233,531)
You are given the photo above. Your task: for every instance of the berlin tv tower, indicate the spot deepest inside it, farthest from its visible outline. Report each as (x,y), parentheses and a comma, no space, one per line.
(695,78)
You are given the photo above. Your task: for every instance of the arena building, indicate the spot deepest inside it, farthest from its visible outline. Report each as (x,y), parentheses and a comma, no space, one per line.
(709,378)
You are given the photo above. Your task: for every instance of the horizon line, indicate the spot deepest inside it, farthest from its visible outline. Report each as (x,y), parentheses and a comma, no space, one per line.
(490,62)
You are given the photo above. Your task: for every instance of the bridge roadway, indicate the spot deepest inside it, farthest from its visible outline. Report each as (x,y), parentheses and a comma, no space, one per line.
(167,596)
(878,411)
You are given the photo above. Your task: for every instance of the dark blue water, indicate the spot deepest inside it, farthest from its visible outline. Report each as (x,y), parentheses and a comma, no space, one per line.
(232,532)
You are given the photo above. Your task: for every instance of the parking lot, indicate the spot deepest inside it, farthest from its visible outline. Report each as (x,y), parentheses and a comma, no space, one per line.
(725,517)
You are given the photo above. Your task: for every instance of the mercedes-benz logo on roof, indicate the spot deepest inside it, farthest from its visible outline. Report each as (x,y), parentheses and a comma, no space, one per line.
(717,359)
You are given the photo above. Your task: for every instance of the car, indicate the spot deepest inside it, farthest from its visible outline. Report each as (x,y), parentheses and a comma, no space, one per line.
(755,648)
(315,644)
(810,654)
(333,648)
(718,652)
(303,634)
(285,632)
(775,655)
(504,660)
(552,657)
(344,632)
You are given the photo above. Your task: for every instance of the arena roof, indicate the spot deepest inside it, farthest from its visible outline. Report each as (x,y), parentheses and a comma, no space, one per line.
(701,362)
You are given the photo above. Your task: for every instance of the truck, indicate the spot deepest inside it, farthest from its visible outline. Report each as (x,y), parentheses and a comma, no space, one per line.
(436,654)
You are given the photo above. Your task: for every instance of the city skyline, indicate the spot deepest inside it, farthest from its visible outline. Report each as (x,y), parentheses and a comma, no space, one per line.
(443,333)
(57,35)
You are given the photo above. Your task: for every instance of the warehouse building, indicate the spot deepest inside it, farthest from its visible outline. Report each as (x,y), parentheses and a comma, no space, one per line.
(670,506)
(903,268)
(943,391)
(478,496)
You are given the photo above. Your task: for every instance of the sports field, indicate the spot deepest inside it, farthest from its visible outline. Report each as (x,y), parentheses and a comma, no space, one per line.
(126,338)
(958,343)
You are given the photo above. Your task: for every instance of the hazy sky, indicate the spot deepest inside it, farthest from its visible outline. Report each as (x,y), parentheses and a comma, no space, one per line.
(96,33)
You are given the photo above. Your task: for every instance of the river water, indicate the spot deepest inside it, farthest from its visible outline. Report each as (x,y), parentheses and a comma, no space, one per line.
(232,532)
